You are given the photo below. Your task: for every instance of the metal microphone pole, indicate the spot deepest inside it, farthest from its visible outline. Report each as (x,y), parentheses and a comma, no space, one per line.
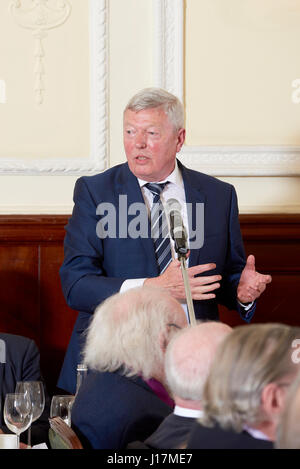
(182,251)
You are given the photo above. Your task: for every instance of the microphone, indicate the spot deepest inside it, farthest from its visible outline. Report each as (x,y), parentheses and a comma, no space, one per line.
(177,229)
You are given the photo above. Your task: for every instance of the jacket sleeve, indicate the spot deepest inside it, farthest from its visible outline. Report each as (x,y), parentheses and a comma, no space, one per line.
(83,278)
(235,263)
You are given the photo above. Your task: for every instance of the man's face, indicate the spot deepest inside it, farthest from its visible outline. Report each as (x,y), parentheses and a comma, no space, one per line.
(151,143)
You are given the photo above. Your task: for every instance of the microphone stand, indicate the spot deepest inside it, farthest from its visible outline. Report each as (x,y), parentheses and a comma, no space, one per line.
(182,250)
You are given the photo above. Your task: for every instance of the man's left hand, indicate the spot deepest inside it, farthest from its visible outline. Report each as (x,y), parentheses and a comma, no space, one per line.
(252,284)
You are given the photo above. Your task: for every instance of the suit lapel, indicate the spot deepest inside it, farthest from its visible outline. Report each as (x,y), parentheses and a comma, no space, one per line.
(193,196)
(127,184)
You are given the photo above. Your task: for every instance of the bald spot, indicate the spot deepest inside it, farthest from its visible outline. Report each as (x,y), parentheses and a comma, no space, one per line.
(195,348)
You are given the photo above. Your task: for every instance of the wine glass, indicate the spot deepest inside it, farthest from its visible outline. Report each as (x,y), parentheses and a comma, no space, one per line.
(61,406)
(17,413)
(35,391)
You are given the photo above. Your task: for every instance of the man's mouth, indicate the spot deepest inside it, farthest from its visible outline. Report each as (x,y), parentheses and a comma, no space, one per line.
(141,158)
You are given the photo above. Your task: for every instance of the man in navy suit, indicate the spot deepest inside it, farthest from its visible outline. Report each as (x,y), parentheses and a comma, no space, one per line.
(246,389)
(20,361)
(123,398)
(102,256)
(188,358)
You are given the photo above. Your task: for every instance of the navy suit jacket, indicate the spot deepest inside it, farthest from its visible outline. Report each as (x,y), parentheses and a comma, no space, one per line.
(172,433)
(94,268)
(216,438)
(21,363)
(111,410)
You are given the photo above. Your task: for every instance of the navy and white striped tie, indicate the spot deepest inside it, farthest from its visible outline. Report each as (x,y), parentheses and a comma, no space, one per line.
(159,227)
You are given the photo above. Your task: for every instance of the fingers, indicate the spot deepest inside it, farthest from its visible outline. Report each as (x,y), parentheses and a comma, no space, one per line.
(250,264)
(251,293)
(199,269)
(199,281)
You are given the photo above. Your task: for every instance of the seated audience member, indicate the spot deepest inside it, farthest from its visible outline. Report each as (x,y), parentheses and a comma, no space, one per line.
(288,434)
(20,361)
(246,388)
(187,362)
(123,398)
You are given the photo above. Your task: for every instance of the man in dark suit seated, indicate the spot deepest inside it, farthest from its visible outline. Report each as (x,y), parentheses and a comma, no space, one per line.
(246,389)
(187,362)
(123,397)
(20,361)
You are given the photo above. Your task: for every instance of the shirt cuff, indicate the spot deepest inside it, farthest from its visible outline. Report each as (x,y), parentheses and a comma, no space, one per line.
(131,283)
(247,306)
(246,311)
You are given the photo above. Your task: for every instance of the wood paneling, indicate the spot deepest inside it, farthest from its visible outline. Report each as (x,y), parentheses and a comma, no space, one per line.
(275,242)
(32,303)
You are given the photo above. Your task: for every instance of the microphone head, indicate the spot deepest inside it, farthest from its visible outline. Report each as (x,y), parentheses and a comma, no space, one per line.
(173,204)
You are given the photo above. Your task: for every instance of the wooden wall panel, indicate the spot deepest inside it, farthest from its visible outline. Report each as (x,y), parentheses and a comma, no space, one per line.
(275,242)
(32,303)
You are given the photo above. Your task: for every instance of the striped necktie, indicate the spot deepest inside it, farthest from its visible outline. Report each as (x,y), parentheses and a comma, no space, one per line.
(159,227)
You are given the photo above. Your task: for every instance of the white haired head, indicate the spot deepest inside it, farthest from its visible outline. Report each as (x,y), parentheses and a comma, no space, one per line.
(128,331)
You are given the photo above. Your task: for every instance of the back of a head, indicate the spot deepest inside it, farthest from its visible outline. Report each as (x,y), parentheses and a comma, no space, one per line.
(149,98)
(250,358)
(288,433)
(125,330)
(189,357)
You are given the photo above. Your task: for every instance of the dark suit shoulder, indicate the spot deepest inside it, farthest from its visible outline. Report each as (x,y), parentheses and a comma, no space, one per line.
(108,175)
(217,438)
(205,180)
(17,342)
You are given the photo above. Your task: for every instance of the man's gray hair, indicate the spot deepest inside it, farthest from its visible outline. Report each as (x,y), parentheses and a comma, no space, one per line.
(250,358)
(125,331)
(288,431)
(157,97)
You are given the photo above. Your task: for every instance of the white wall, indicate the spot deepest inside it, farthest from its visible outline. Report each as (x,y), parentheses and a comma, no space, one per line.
(131,52)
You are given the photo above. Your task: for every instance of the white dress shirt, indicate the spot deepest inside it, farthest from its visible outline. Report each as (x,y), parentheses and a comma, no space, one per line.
(185,412)
(173,190)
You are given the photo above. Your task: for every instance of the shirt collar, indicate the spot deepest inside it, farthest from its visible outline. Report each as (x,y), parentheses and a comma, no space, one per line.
(256,433)
(185,412)
(175,177)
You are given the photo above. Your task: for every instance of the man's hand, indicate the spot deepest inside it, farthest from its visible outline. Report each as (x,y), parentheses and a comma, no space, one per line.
(201,287)
(252,284)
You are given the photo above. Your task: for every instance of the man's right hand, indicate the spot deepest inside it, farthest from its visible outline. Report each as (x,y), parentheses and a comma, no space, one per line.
(202,288)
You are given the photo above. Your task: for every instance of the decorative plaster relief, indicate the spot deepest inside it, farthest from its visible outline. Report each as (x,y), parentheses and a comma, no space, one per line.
(97,160)
(40,16)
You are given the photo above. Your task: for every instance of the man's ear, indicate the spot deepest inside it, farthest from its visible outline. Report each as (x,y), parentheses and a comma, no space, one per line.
(180,139)
(273,399)
(163,341)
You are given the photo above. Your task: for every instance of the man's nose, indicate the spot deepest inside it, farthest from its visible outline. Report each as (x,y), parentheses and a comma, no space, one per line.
(140,140)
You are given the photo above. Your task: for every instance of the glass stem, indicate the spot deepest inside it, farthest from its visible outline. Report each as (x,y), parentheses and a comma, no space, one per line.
(29,437)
